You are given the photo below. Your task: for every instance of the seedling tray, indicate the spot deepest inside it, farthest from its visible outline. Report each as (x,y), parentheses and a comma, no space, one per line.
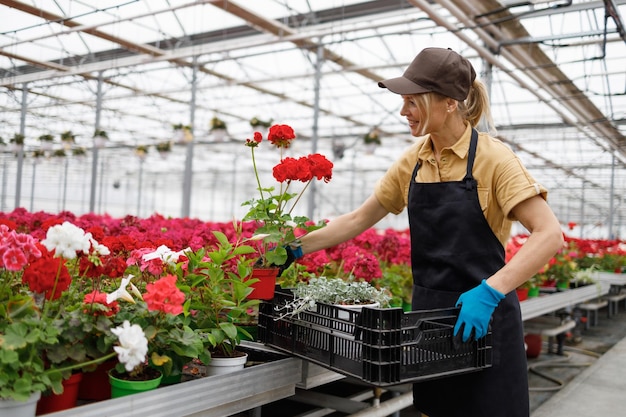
(379,346)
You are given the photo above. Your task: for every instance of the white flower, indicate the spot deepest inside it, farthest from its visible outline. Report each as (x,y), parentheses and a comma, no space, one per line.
(122,293)
(66,239)
(99,249)
(165,254)
(133,345)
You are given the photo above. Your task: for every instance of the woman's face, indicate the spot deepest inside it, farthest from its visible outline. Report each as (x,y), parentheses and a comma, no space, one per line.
(424,114)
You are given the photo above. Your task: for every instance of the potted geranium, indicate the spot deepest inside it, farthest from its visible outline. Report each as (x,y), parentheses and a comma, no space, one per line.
(159,310)
(36,280)
(273,211)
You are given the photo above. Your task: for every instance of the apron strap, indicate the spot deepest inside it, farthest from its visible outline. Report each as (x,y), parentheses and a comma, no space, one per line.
(469,179)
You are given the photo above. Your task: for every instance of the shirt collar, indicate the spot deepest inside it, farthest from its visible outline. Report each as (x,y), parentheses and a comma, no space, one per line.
(460,148)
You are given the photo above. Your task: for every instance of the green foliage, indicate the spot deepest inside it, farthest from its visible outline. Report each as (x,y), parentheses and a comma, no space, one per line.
(171,340)
(216,284)
(398,280)
(22,339)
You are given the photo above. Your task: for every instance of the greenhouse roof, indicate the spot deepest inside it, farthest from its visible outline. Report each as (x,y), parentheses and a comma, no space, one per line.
(556,71)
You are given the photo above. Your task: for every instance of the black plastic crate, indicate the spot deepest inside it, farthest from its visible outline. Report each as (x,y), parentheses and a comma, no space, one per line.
(380,346)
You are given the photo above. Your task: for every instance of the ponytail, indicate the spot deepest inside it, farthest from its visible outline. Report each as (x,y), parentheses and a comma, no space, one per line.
(476,107)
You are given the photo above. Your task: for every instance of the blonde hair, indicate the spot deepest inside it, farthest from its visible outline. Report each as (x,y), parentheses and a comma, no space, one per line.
(476,107)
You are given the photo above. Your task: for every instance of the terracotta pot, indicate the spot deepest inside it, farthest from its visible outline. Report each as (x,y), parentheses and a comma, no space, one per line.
(66,400)
(264,288)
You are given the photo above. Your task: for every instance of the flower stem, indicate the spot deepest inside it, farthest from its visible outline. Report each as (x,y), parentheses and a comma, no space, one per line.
(82,364)
(256,173)
(299,196)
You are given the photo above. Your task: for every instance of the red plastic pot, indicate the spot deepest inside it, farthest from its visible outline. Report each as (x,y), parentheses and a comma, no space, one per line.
(263,289)
(66,400)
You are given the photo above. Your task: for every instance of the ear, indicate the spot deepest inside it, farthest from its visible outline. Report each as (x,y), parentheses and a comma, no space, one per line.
(451,105)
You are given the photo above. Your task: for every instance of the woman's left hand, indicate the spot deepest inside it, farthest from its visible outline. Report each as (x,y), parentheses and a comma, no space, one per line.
(477,306)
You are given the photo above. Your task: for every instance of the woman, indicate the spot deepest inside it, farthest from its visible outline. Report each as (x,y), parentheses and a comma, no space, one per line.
(462,190)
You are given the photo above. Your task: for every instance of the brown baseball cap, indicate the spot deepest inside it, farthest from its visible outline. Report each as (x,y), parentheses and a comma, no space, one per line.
(435,69)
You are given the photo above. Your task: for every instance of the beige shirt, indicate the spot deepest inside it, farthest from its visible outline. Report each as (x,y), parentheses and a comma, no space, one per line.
(503,182)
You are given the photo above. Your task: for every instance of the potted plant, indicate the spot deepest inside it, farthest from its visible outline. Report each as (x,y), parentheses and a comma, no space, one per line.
(79,152)
(141,151)
(182,133)
(217,124)
(59,153)
(217,284)
(255,122)
(17,141)
(164,147)
(275,223)
(36,283)
(159,311)
(372,137)
(217,127)
(100,138)
(335,291)
(69,138)
(46,142)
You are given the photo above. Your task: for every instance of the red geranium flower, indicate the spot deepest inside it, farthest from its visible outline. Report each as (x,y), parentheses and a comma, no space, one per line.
(272,212)
(47,275)
(280,136)
(162,295)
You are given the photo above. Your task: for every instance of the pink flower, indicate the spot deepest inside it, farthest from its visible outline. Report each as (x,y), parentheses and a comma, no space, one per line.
(162,295)
(363,265)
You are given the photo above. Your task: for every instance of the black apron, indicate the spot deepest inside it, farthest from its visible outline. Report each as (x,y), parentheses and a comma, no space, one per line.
(452,250)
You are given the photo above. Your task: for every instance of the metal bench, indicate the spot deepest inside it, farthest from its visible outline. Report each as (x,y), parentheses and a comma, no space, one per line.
(614,296)
(591,308)
(555,328)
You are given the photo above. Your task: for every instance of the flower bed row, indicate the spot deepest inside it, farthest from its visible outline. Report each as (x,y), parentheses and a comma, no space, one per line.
(68,282)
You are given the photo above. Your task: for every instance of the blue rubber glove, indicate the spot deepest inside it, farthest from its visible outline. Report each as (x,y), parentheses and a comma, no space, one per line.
(477,306)
(293,253)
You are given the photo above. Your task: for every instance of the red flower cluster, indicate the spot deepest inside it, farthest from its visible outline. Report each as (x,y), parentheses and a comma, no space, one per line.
(304,169)
(280,136)
(47,275)
(162,295)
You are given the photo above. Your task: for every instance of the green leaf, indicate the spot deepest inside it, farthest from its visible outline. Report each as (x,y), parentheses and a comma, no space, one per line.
(230,330)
